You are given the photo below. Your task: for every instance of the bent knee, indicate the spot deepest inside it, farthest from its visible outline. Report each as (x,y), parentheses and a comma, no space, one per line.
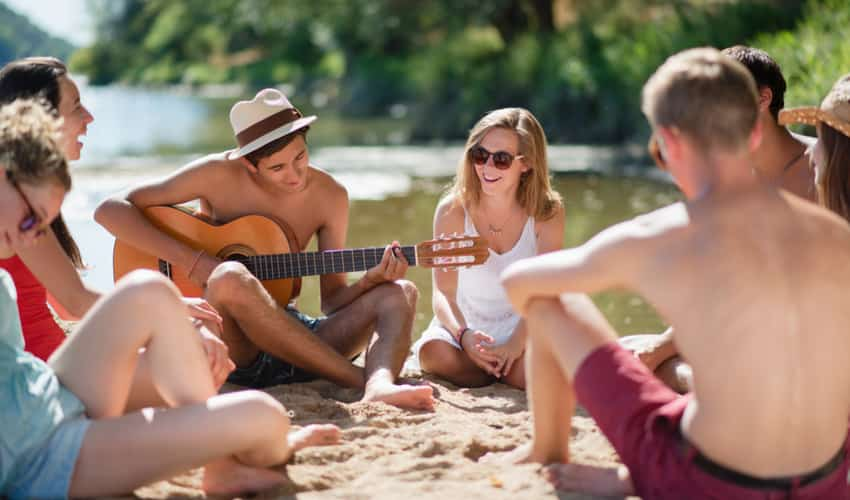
(229,281)
(266,413)
(437,356)
(143,286)
(397,295)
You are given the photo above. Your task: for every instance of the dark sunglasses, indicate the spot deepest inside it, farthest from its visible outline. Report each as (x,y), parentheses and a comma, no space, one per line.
(32,221)
(655,152)
(501,159)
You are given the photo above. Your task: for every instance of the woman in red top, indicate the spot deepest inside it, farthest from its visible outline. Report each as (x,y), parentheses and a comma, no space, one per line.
(52,265)
(54,262)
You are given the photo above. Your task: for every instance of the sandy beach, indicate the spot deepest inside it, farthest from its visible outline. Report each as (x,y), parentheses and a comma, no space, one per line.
(388,453)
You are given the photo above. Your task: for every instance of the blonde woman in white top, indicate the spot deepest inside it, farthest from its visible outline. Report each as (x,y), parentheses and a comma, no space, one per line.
(502,192)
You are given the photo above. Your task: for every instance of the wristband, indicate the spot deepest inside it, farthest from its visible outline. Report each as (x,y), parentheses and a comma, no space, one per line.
(460,336)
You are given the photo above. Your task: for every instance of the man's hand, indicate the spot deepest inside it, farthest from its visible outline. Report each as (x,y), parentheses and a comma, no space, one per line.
(474,343)
(507,353)
(201,310)
(393,266)
(217,354)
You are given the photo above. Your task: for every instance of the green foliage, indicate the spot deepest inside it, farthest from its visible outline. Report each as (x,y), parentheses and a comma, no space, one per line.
(20,38)
(815,53)
(450,61)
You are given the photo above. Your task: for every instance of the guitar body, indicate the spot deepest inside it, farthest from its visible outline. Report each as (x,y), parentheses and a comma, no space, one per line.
(245,236)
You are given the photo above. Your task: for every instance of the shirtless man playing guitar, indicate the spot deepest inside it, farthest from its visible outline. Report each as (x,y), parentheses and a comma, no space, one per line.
(270,175)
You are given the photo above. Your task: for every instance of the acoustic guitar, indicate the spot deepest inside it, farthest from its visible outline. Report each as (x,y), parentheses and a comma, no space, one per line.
(266,247)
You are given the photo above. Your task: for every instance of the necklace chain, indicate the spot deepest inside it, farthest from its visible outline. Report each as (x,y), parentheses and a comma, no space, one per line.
(497,231)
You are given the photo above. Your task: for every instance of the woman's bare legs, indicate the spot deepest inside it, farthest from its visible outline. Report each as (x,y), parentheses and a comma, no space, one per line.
(98,364)
(249,428)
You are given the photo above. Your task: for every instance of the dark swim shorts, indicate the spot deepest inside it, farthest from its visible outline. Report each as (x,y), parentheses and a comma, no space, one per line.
(640,416)
(267,370)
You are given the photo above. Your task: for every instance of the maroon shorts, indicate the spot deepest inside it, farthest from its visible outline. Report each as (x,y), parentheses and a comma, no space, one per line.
(640,417)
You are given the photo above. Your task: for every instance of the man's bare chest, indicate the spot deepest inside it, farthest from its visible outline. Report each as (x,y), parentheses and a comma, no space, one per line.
(299,218)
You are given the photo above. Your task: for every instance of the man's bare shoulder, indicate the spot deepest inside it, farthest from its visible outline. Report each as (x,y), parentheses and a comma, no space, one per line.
(326,184)
(641,237)
(661,223)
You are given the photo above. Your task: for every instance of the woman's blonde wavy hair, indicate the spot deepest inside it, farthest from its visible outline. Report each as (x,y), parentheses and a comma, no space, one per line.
(534,193)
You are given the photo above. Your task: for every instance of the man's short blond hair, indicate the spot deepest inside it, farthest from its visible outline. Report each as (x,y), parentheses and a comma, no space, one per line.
(706,95)
(30,145)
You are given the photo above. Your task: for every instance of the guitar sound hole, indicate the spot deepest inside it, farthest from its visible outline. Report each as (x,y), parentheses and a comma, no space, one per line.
(238,257)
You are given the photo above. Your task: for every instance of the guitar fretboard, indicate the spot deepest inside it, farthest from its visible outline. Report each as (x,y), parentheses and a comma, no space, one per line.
(294,265)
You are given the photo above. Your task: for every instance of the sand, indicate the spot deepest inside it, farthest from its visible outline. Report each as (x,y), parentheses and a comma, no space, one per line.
(388,453)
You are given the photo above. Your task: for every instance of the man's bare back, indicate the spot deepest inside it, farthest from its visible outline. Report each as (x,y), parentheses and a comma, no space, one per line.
(750,277)
(763,324)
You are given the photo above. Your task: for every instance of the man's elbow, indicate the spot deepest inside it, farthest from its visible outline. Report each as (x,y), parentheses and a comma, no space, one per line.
(104,214)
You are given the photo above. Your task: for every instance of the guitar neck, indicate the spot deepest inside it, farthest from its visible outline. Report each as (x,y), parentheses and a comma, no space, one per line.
(296,265)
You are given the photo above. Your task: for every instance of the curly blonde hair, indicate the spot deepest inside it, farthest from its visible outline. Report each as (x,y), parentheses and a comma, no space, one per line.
(30,145)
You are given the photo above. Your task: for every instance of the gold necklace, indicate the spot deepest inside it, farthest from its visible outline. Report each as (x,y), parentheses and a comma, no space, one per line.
(497,231)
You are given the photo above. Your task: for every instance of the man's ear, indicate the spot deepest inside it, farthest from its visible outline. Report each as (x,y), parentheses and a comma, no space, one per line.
(670,143)
(765,98)
(250,166)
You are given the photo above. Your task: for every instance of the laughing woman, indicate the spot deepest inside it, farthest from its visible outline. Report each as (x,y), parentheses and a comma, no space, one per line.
(502,192)
(67,430)
(52,265)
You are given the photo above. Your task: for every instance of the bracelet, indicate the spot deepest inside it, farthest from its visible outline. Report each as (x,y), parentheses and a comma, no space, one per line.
(460,336)
(194,263)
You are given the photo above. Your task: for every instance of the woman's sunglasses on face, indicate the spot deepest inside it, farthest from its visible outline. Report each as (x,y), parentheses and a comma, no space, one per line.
(501,159)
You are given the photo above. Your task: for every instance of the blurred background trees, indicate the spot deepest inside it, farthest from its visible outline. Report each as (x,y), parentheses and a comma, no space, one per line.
(577,64)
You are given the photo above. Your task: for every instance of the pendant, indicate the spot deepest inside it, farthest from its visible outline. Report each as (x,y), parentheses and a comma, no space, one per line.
(494,231)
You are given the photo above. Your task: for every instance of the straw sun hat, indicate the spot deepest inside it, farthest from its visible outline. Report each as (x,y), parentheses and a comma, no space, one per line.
(265,118)
(834,110)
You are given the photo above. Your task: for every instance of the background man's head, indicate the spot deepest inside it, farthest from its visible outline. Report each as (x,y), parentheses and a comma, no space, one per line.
(764,70)
(706,96)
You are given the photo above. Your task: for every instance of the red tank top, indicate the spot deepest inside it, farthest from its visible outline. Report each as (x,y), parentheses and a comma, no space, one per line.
(41,333)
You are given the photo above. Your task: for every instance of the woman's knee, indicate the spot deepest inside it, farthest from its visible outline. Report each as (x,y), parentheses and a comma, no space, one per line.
(440,358)
(264,414)
(146,288)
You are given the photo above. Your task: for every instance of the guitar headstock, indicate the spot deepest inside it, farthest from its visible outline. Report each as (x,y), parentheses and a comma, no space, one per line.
(452,251)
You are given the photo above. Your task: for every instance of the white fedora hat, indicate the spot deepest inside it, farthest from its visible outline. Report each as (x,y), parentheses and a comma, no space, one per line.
(263,119)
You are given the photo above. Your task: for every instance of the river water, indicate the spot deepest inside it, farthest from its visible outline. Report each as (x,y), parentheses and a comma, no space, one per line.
(141,134)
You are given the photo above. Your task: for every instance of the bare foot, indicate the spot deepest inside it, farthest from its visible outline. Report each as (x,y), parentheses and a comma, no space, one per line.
(313,435)
(522,454)
(229,477)
(412,397)
(606,481)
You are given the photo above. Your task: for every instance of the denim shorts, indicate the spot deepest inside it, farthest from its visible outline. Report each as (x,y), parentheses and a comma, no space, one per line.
(47,472)
(267,370)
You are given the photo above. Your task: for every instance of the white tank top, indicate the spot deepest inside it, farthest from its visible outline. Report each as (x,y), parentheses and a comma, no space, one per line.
(480,294)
